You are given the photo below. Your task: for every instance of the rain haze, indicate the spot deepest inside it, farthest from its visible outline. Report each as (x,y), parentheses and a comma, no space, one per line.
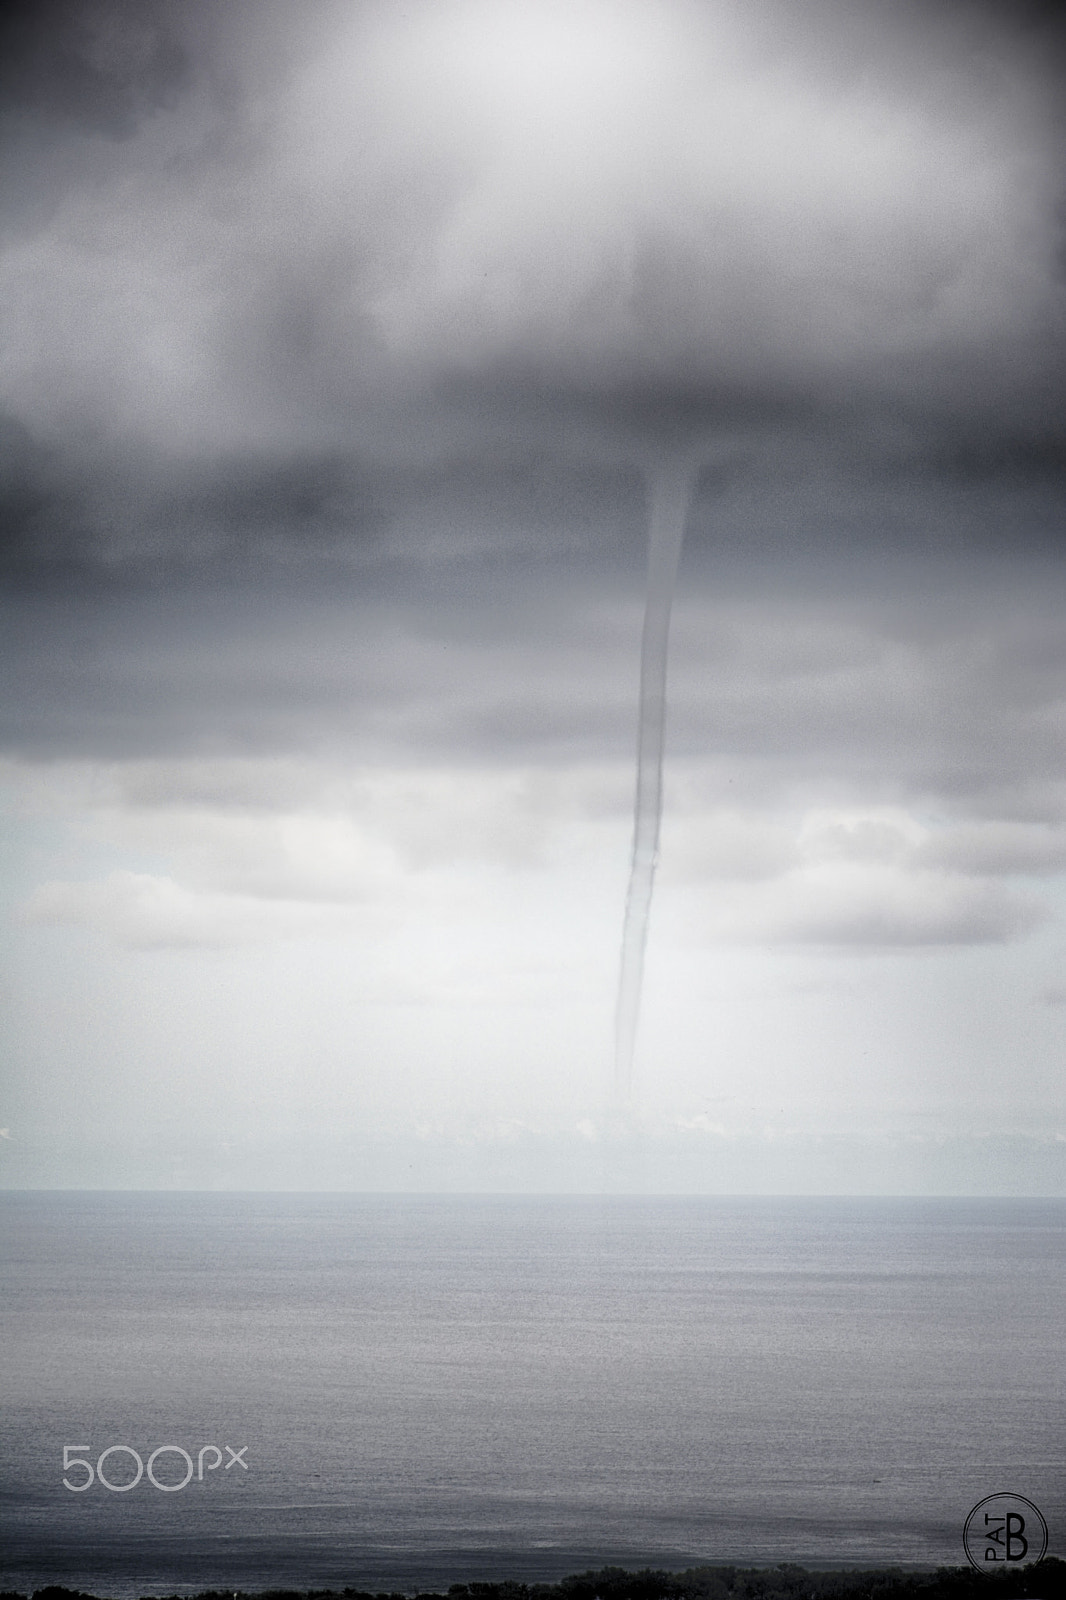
(346,348)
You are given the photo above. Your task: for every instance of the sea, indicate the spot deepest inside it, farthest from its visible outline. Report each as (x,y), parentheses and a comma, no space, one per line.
(402,1392)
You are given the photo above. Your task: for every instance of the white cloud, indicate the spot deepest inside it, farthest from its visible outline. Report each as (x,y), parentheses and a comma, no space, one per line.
(726,845)
(465,878)
(880,834)
(858,878)
(870,905)
(997,846)
(445,887)
(142,911)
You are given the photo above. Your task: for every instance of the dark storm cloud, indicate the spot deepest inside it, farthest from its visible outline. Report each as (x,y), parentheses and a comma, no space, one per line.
(947,699)
(306,663)
(74,510)
(338,297)
(147,515)
(99,68)
(286,256)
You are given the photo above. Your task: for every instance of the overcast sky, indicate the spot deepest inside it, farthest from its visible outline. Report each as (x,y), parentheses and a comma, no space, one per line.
(339,342)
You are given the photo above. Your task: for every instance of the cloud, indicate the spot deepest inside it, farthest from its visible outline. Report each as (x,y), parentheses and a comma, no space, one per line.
(100,68)
(726,845)
(849,879)
(420,871)
(279,259)
(143,911)
(192,911)
(998,847)
(410,858)
(948,706)
(757,218)
(880,907)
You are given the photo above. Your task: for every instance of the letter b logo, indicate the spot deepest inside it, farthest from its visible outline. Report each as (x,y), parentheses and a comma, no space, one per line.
(1017,1546)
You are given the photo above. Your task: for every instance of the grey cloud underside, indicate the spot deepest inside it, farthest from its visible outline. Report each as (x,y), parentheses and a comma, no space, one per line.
(774,491)
(948,694)
(111,512)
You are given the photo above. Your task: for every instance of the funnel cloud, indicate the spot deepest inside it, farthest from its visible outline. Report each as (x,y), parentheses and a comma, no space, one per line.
(670,488)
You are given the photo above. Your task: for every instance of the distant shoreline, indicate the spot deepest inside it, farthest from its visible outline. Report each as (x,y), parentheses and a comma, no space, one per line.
(1045,1580)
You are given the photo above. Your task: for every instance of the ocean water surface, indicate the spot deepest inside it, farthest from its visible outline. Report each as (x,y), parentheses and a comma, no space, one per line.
(409,1391)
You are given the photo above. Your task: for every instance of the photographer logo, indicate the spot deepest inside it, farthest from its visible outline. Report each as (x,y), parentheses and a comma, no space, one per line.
(1004,1530)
